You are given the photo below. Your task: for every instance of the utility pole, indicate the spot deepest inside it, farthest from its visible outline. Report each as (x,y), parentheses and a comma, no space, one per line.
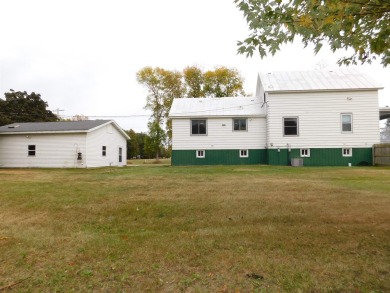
(58,110)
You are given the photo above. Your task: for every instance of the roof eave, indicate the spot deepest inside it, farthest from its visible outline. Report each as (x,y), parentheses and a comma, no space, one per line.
(324,90)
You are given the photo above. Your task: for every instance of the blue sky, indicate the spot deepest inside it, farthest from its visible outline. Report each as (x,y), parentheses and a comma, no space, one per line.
(82,56)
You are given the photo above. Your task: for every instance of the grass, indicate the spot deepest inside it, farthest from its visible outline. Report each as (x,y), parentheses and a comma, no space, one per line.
(195,229)
(137,162)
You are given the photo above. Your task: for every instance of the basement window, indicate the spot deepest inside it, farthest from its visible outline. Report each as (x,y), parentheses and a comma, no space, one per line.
(200,153)
(305,152)
(104,151)
(244,154)
(31,150)
(347,152)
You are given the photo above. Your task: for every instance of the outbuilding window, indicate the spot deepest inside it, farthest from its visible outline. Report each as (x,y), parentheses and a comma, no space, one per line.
(346,123)
(290,126)
(198,126)
(104,151)
(240,124)
(200,154)
(31,150)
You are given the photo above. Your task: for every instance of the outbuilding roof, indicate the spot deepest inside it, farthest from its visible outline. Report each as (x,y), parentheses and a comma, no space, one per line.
(215,107)
(56,127)
(317,80)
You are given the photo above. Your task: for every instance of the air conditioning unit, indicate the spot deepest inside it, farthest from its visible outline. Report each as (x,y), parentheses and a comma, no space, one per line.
(297,162)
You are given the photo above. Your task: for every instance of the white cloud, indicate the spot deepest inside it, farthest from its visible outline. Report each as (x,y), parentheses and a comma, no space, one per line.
(82,56)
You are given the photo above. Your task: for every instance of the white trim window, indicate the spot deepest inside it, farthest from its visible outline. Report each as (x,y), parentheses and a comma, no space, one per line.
(305,152)
(31,150)
(201,154)
(290,126)
(240,124)
(244,153)
(198,127)
(104,151)
(347,152)
(346,123)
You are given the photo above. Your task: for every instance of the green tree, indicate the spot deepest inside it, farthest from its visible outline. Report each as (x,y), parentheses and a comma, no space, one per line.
(136,144)
(359,25)
(154,141)
(22,107)
(223,82)
(132,145)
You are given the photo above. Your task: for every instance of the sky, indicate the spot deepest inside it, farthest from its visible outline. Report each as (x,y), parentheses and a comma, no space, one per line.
(82,56)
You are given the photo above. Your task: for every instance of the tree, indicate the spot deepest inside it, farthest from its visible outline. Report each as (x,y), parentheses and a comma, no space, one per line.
(194,82)
(154,142)
(23,107)
(360,25)
(223,82)
(163,86)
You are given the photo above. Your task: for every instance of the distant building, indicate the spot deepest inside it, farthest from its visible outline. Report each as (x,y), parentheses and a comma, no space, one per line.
(81,144)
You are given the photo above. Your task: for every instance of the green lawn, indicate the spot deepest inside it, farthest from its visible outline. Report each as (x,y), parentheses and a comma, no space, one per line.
(195,229)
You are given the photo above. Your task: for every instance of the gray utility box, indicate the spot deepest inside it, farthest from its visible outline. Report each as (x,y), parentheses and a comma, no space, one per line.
(297,162)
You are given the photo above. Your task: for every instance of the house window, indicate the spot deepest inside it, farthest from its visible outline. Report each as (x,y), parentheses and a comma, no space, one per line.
(244,154)
(305,152)
(290,126)
(31,150)
(347,152)
(198,127)
(200,153)
(346,122)
(104,151)
(120,155)
(239,124)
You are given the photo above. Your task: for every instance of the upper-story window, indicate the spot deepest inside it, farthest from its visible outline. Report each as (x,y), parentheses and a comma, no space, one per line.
(104,151)
(346,122)
(198,126)
(240,124)
(290,126)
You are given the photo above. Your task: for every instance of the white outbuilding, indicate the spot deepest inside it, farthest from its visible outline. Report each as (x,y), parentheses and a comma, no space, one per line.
(76,144)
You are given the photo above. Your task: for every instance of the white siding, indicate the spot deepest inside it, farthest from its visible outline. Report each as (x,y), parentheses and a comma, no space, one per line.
(220,135)
(110,137)
(52,150)
(319,119)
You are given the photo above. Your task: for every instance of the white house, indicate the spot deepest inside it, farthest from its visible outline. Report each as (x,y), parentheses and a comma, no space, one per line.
(81,144)
(318,117)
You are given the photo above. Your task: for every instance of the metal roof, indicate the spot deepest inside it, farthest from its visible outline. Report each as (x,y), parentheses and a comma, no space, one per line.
(56,127)
(317,80)
(211,107)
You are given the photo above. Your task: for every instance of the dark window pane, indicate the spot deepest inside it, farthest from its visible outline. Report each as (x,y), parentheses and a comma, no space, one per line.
(239,124)
(198,127)
(290,126)
(202,127)
(194,126)
(236,125)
